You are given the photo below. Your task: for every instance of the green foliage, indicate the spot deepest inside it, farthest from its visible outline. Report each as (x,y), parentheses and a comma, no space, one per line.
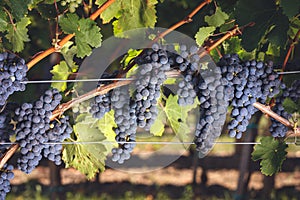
(290,106)
(217,19)
(214,21)
(269,23)
(17,34)
(60,71)
(89,154)
(18,8)
(87,33)
(272,153)
(130,15)
(290,7)
(203,33)
(175,116)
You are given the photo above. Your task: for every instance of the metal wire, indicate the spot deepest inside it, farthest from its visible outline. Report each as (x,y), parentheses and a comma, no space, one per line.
(143,142)
(109,79)
(77,80)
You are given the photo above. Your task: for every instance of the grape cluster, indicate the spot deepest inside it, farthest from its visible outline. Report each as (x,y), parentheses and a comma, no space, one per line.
(58,132)
(12,74)
(102,103)
(6,175)
(150,75)
(72,4)
(6,130)
(245,83)
(278,129)
(213,109)
(32,128)
(125,119)
(188,65)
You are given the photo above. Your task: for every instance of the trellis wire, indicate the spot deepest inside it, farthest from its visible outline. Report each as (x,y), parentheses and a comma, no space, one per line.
(143,142)
(109,79)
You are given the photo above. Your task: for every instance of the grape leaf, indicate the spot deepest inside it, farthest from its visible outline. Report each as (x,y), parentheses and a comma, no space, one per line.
(272,153)
(217,19)
(273,50)
(108,14)
(278,34)
(60,71)
(177,116)
(158,127)
(68,51)
(18,8)
(259,12)
(290,7)
(88,158)
(130,15)
(87,33)
(106,125)
(290,106)
(3,21)
(17,34)
(203,33)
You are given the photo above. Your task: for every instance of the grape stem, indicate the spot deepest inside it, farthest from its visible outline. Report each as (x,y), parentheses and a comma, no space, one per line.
(8,154)
(235,31)
(292,46)
(67,38)
(186,20)
(267,110)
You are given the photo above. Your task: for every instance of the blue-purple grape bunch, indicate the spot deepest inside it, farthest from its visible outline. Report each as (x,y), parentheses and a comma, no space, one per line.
(6,175)
(34,129)
(12,75)
(150,75)
(277,129)
(125,118)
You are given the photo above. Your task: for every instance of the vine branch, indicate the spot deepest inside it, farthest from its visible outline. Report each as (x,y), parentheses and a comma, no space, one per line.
(67,38)
(292,46)
(186,20)
(267,110)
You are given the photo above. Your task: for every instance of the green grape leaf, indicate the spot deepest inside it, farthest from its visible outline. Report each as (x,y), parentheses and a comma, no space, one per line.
(290,7)
(294,27)
(232,45)
(106,125)
(68,51)
(177,116)
(131,15)
(278,34)
(88,158)
(203,33)
(3,21)
(273,50)
(217,19)
(259,12)
(158,127)
(272,153)
(108,14)
(18,8)
(17,34)
(69,23)
(290,106)
(87,33)
(60,71)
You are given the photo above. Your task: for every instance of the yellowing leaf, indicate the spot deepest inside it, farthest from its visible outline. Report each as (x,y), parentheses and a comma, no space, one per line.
(203,33)
(60,71)
(88,156)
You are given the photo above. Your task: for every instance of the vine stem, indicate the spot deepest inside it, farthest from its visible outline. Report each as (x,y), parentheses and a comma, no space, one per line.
(235,31)
(67,38)
(292,46)
(186,20)
(62,108)
(267,110)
